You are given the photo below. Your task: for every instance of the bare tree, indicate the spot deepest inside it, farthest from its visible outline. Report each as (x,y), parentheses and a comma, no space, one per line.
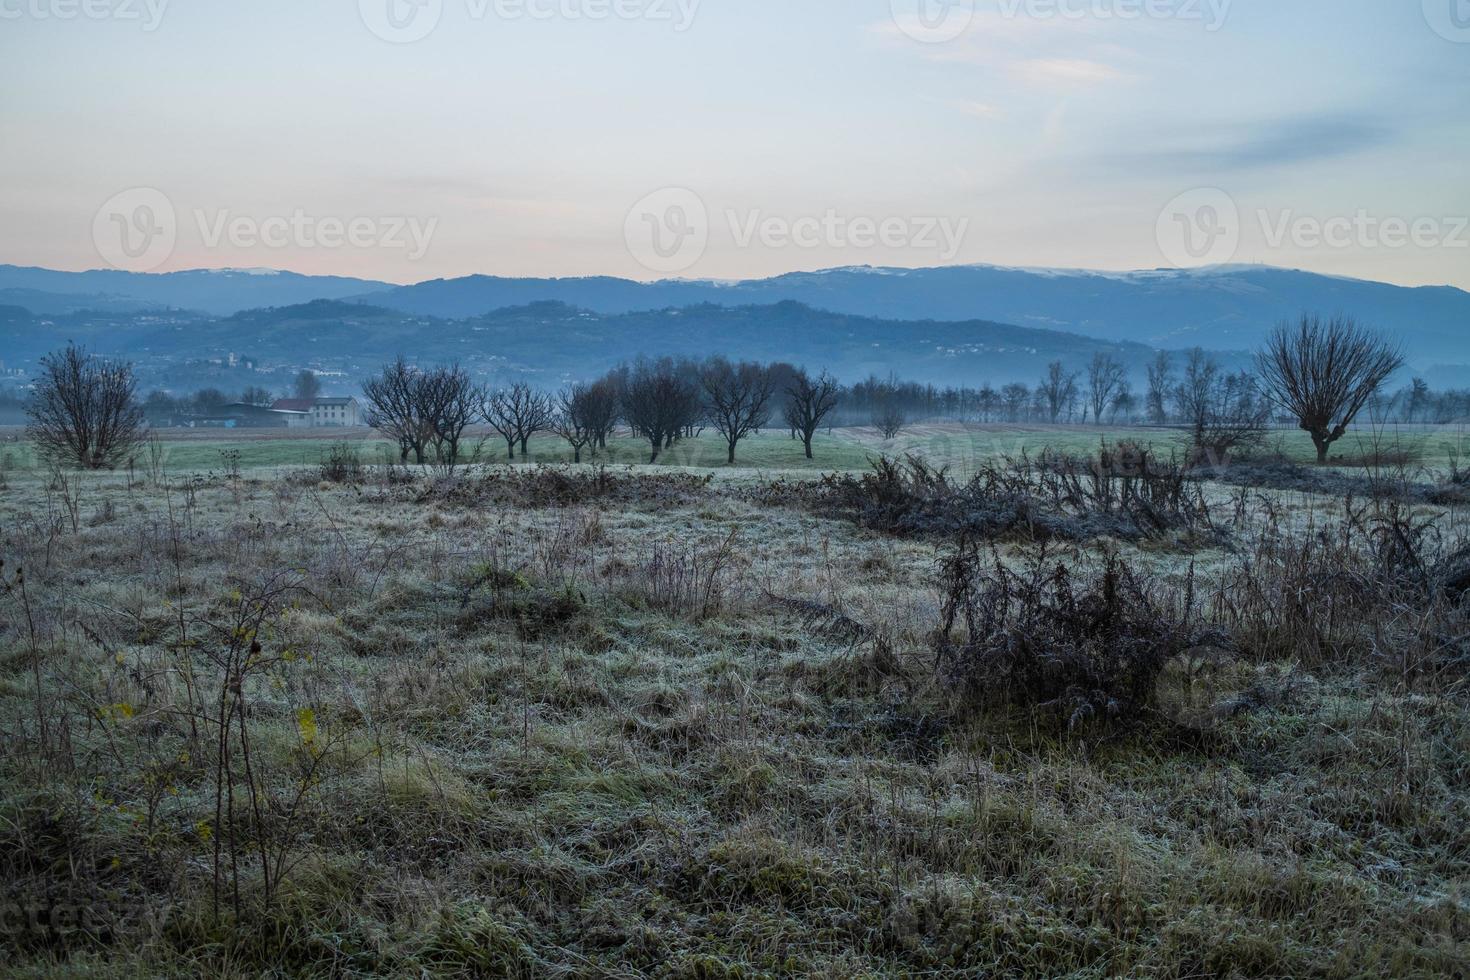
(888,417)
(518,413)
(1014,397)
(1225,412)
(85,410)
(307,385)
(738,399)
(393,408)
(448,402)
(257,396)
(808,403)
(1324,372)
(1160,384)
(659,402)
(1106,379)
(575,419)
(425,412)
(599,407)
(1058,390)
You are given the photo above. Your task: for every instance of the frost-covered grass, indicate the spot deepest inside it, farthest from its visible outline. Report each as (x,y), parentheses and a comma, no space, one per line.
(510,729)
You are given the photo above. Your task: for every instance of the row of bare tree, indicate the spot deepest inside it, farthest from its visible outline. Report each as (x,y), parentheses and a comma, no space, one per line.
(427,411)
(84,410)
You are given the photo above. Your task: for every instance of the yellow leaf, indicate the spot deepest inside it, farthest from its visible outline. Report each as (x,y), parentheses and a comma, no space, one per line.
(306,724)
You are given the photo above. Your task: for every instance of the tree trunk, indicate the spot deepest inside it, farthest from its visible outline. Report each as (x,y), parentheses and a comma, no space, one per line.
(510,450)
(1323,444)
(808,443)
(732,454)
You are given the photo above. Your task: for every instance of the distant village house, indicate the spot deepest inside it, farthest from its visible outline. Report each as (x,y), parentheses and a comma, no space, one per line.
(287,413)
(321,412)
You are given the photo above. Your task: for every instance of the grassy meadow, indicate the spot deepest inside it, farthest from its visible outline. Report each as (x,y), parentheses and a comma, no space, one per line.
(696,722)
(962,448)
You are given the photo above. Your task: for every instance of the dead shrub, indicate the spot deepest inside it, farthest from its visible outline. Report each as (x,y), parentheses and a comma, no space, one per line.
(495,594)
(1084,647)
(543,486)
(1125,491)
(688,580)
(342,464)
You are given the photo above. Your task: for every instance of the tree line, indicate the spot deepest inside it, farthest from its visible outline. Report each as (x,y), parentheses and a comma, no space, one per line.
(426,411)
(1320,372)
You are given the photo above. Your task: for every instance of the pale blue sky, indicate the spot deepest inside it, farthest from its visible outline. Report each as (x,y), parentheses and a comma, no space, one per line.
(1059,140)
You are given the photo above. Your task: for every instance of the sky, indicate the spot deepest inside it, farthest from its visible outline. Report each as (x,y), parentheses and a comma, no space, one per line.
(407,140)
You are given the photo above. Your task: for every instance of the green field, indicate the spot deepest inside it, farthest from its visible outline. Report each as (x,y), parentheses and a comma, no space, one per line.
(959,447)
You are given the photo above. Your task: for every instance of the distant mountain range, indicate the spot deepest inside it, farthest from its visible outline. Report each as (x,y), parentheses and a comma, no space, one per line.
(1220,308)
(554,342)
(1231,307)
(217,291)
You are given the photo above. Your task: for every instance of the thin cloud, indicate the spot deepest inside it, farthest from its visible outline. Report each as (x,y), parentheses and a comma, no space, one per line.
(1066,72)
(1275,143)
(981,110)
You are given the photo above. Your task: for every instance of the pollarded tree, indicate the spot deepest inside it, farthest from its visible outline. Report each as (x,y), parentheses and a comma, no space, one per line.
(425,411)
(888,417)
(394,409)
(1106,379)
(1324,372)
(85,410)
(659,402)
(518,413)
(1225,413)
(1058,390)
(738,398)
(575,419)
(1014,398)
(599,405)
(1160,387)
(808,403)
(449,401)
